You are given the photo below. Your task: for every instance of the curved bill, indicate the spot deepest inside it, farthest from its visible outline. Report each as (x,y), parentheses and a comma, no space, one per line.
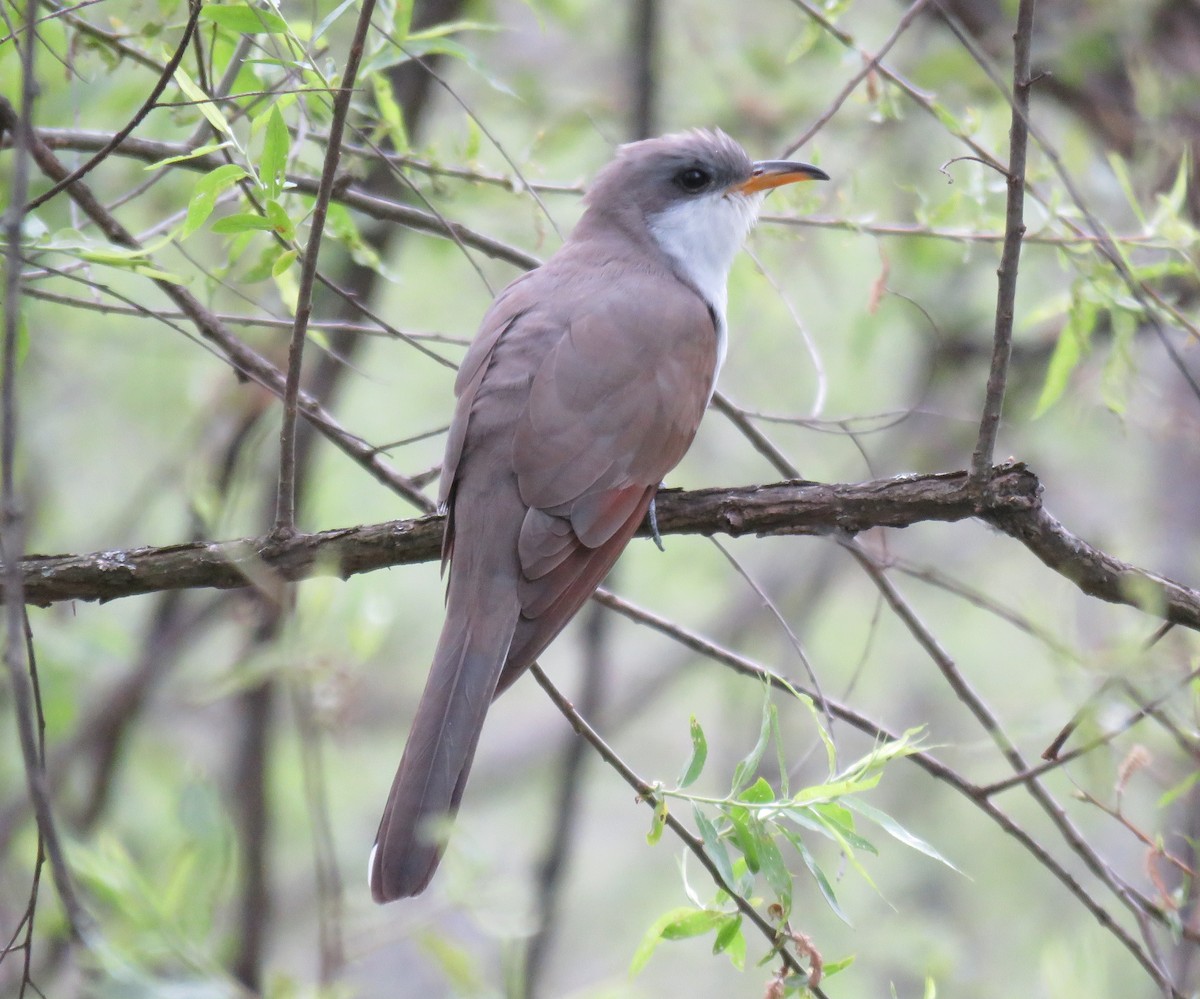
(775,173)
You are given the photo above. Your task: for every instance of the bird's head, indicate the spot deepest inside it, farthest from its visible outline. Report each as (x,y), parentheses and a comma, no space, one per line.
(696,193)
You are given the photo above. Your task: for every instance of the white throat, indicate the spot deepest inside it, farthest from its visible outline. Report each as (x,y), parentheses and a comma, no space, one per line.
(702,236)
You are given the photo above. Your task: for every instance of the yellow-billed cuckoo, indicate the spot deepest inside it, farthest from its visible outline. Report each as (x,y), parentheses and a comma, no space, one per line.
(583,387)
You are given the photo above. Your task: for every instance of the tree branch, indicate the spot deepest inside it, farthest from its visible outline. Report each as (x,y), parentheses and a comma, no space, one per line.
(1010,257)
(285,503)
(1013,506)
(371,205)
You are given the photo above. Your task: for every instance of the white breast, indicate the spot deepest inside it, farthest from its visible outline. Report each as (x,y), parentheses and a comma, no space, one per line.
(702,236)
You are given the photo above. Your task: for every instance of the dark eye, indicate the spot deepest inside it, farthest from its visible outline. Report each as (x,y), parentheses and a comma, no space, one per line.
(693,179)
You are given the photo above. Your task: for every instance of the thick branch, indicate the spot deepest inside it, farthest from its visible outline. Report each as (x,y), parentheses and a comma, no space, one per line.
(1013,505)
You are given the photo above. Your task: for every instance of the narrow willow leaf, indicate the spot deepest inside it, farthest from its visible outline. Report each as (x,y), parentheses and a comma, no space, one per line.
(196,153)
(746,833)
(835,789)
(830,968)
(276,144)
(758,793)
(391,118)
(818,875)
(450,28)
(658,822)
(668,922)
(1171,795)
(1117,165)
(283,262)
(713,846)
(244,19)
(699,755)
(837,817)
(279,220)
(242,222)
(333,15)
(776,871)
(736,949)
(205,193)
(745,770)
(203,103)
(898,832)
(156,274)
(1072,342)
(692,924)
(729,928)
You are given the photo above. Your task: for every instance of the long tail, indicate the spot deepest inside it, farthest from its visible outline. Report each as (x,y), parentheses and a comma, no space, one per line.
(433,771)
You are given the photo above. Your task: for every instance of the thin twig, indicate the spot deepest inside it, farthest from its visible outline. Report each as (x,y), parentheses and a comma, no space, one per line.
(647,793)
(12,521)
(241,357)
(870,65)
(147,106)
(1010,257)
(285,508)
(921,758)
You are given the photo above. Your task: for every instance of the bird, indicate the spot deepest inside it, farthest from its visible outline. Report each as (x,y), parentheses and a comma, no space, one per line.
(584,386)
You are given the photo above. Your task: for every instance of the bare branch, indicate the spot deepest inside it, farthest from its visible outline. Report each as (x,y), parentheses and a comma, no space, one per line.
(285,504)
(869,67)
(17,648)
(1010,257)
(807,508)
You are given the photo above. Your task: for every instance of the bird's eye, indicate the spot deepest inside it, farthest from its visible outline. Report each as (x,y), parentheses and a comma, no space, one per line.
(693,179)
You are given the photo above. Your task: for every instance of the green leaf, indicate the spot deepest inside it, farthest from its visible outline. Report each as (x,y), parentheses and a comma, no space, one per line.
(391,119)
(242,222)
(283,262)
(1171,795)
(837,819)
(340,225)
(204,103)
(692,924)
(328,19)
(1117,166)
(279,220)
(776,872)
(699,755)
(758,793)
(156,274)
(835,789)
(746,769)
(244,19)
(732,941)
(276,143)
(678,924)
(714,847)
(658,822)
(196,153)
(745,834)
(1119,365)
(823,884)
(205,193)
(897,831)
(1072,342)
(830,968)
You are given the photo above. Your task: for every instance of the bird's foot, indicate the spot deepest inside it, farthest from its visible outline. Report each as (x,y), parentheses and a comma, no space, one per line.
(653,517)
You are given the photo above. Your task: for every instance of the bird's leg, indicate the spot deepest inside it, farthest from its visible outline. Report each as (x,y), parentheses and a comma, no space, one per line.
(653,517)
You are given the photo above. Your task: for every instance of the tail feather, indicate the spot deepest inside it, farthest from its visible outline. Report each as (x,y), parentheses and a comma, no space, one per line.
(433,771)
